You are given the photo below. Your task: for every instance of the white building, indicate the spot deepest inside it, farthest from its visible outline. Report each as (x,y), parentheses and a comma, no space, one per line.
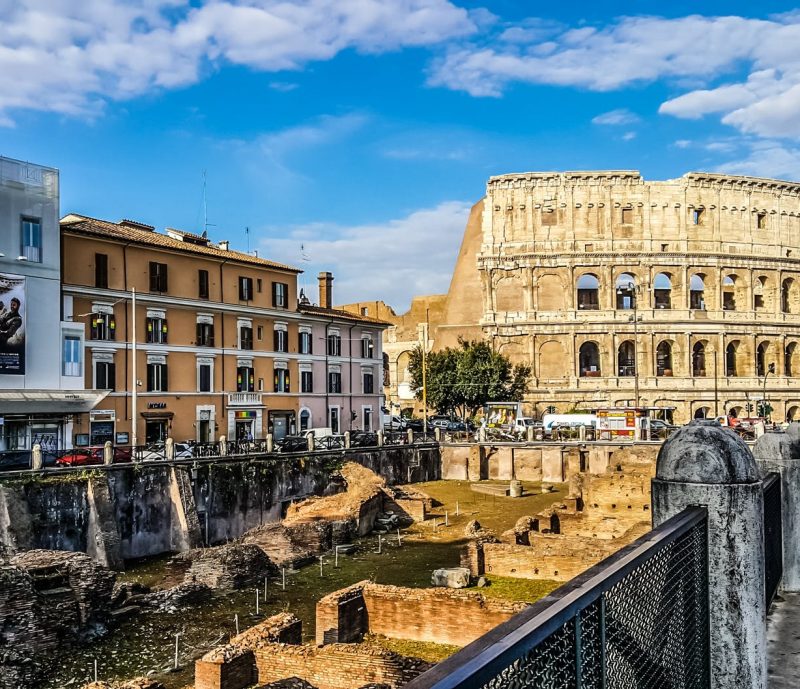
(41,355)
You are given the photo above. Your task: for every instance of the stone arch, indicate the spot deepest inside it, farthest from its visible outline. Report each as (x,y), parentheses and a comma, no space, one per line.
(508,294)
(514,348)
(791,360)
(662,291)
(588,286)
(733,292)
(551,360)
(589,359)
(765,357)
(699,359)
(550,293)
(664,363)
(702,412)
(793,413)
(732,356)
(625,290)
(790,296)
(626,358)
(697,292)
(404,368)
(736,411)
(763,294)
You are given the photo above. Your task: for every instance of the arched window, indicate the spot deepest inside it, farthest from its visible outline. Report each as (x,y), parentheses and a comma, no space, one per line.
(664,359)
(793,413)
(790,296)
(789,364)
(662,291)
(699,360)
(589,359)
(761,360)
(759,293)
(702,412)
(730,359)
(697,292)
(588,292)
(305,419)
(626,359)
(729,293)
(626,291)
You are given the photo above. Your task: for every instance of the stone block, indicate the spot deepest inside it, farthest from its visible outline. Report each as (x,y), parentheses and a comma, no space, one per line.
(452,578)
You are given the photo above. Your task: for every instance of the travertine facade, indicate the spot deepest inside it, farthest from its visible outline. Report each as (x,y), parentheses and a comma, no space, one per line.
(687,289)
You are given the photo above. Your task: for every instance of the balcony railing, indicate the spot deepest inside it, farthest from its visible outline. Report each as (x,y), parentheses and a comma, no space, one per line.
(244,399)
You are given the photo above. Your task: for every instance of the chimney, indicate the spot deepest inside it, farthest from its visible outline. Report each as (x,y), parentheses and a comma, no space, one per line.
(325,290)
(224,244)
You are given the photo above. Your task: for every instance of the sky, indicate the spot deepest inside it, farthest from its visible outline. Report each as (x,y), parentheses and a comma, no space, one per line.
(354,135)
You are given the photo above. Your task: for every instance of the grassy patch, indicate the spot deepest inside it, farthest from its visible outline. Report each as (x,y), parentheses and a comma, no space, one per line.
(425,650)
(510,588)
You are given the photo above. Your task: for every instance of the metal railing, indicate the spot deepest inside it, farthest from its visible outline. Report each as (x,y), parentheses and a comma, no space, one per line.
(773,536)
(637,619)
(395,438)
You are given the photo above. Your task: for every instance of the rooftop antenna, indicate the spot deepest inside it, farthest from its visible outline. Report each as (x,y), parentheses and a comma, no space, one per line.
(304,258)
(205,209)
(247,232)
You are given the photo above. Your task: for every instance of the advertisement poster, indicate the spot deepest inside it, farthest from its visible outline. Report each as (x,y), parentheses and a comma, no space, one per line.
(12,324)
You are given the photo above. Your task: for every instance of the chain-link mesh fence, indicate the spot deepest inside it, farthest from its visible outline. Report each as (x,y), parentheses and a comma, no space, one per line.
(773,536)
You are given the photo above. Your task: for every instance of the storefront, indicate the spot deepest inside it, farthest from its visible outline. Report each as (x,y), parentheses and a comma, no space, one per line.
(101,426)
(157,426)
(281,424)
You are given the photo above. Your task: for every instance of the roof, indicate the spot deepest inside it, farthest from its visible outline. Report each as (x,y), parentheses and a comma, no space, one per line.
(139,233)
(49,401)
(312,310)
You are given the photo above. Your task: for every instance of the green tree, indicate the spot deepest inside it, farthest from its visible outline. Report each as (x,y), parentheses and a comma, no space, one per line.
(462,379)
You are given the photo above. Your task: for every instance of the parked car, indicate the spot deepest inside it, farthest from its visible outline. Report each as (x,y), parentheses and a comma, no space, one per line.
(660,429)
(438,422)
(460,426)
(13,460)
(293,443)
(80,456)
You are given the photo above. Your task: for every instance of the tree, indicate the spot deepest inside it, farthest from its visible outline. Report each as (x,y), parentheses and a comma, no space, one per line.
(462,379)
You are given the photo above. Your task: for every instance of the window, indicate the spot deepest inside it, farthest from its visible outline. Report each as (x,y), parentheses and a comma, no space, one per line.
(365,311)
(626,359)
(306,381)
(204,377)
(664,359)
(104,375)
(305,420)
(305,345)
(729,293)
(334,381)
(245,337)
(71,359)
(101,271)
(205,334)
(627,216)
(662,291)
(281,380)
(245,288)
(367,414)
(202,284)
(32,239)
(158,277)
(258,285)
(367,348)
(103,326)
(156,327)
(280,294)
(698,216)
(761,221)
(588,292)
(281,341)
(245,379)
(333,419)
(699,359)
(157,377)
(260,332)
(261,385)
(589,359)
(334,344)
(697,291)
(368,381)
(626,291)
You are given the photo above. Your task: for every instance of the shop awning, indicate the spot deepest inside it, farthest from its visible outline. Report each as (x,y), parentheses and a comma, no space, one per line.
(49,401)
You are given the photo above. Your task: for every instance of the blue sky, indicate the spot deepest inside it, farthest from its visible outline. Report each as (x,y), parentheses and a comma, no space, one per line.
(364,129)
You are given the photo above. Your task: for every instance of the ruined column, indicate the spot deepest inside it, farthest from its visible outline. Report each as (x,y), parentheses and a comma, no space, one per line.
(36,457)
(779,451)
(108,453)
(704,464)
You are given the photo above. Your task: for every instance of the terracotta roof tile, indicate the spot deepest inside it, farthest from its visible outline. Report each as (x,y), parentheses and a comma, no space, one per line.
(82,224)
(338,313)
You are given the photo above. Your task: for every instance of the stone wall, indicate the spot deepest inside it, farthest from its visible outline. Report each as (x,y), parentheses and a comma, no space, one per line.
(437,615)
(126,511)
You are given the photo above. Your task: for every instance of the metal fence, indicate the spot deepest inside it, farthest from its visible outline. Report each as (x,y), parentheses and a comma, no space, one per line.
(773,536)
(637,619)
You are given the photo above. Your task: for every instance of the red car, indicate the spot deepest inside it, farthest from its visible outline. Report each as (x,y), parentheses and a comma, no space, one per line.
(87,456)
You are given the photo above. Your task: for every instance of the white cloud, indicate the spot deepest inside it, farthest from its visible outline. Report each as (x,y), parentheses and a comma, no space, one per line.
(694,53)
(69,57)
(392,261)
(682,143)
(766,158)
(616,117)
(629,136)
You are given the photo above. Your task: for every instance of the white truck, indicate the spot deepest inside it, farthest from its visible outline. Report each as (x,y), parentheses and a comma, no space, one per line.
(507,417)
(551,421)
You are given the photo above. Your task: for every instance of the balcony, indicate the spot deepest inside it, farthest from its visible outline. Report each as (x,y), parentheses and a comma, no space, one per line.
(244,399)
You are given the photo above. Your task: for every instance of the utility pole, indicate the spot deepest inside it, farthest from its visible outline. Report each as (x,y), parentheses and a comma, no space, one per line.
(134,394)
(425,375)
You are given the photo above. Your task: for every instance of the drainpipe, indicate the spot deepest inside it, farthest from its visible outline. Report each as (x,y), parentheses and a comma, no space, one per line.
(350,366)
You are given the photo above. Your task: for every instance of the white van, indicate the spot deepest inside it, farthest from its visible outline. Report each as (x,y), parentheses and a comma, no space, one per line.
(567,421)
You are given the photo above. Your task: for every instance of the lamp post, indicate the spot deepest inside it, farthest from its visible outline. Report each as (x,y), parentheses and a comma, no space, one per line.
(634,290)
(770,369)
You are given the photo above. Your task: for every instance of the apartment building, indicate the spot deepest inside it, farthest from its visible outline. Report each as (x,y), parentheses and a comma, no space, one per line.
(212,340)
(41,364)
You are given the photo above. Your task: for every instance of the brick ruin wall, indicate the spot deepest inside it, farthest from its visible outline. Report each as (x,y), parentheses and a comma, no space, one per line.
(439,615)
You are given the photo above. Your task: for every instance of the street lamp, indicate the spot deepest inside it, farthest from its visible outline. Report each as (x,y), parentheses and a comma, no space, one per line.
(770,369)
(634,291)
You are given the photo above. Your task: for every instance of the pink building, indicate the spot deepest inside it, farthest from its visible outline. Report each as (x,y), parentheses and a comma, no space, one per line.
(340,363)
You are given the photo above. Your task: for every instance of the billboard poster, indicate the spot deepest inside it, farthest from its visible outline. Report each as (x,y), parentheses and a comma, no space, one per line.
(13,309)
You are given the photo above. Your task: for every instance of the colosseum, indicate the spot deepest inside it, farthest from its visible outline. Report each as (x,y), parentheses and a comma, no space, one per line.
(682,294)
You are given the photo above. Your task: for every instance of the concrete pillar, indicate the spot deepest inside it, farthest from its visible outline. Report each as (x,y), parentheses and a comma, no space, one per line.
(311,442)
(223,445)
(529,433)
(704,464)
(779,451)
(437,434)
(347,440)
(270,442)
(380,438)
(108,453)
(410,436)
(36,457)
